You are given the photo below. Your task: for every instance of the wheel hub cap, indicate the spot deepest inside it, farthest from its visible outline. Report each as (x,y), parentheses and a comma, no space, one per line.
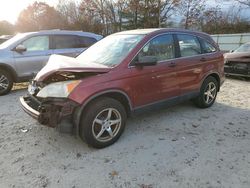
(210,93)
(106,125)
(4,83)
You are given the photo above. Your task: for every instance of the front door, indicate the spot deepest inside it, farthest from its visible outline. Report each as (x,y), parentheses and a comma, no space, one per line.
(152,84)
(37,53)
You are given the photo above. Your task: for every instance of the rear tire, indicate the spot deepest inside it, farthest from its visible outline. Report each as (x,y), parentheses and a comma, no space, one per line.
(102,123)
(6,82)
(208,93)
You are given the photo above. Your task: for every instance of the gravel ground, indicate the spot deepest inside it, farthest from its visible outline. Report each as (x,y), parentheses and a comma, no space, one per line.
(181,146)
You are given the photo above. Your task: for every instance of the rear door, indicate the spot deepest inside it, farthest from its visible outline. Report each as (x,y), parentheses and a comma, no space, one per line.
(37,53)
(189,64)
(156,83)
(69,45)
(66,45)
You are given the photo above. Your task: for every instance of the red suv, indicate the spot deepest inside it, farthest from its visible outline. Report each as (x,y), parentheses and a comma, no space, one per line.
(122,74)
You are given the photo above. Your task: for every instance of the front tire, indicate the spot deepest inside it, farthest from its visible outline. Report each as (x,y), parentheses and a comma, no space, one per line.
(6,82)
(102,123)
(208,93)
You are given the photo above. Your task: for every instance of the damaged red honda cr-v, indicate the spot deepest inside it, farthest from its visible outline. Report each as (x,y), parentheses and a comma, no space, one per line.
(122,74)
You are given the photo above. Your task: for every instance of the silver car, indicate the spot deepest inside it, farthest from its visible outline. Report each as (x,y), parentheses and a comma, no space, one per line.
(24,55)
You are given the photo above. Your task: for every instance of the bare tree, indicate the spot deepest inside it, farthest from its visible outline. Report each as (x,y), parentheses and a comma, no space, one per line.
(97,9)
(121,6)
(39,16)
(244,2)
(70,11)
(219,22)
(166,10)
(191,11)
(6,28)
(211,20)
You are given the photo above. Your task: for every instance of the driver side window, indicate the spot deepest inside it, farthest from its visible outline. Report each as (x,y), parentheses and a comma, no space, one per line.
(38,43)
(162,47)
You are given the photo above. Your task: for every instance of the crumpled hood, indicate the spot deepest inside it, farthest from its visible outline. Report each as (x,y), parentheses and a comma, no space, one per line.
(59,63)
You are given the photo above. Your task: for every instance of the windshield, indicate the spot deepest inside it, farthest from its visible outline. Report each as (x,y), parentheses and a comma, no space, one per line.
(111,50)
(12,40)
(243,48)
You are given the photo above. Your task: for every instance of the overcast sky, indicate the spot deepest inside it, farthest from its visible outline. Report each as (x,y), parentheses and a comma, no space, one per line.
(10,9)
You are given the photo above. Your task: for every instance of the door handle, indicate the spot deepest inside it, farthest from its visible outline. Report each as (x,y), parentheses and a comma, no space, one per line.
(172,64)
(203,59)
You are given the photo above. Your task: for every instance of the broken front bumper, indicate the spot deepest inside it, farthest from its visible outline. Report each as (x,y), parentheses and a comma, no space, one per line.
(49,112)
(237,69)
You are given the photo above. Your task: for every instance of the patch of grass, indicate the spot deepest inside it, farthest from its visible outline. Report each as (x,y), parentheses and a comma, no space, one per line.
(19,86)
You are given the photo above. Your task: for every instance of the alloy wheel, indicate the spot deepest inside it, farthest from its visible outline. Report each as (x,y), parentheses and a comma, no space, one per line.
(210,93)
(106,125)
(4,83)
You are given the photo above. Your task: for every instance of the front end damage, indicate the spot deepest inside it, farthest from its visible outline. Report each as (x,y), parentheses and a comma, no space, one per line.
(56,111)
(237,68)
(237,64)
(50,112)
(47,99)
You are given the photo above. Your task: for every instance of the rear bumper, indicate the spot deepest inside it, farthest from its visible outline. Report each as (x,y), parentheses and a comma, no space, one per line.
(49,112)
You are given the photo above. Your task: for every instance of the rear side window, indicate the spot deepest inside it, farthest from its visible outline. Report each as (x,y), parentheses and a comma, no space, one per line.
(65,41)
(38,43)
(85,42)
(207,47)
(162,47)
(189,45)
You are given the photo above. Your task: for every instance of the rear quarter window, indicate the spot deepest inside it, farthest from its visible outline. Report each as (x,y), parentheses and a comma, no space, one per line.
(207,47)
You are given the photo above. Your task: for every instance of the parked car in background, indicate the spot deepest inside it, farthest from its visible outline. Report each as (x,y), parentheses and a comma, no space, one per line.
(237,62)
(4,38)
(24,55)
(125,73)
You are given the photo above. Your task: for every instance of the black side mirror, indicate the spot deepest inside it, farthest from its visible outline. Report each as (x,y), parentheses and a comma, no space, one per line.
(231,51)
(147,61)
(20,48)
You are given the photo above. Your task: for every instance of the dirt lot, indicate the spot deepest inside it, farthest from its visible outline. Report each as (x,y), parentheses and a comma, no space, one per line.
(181,146)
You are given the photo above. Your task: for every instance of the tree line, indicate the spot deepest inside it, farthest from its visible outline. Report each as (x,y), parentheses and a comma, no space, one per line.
(109,16)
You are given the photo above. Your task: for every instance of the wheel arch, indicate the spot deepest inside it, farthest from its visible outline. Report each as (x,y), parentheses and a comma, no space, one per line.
(9,69)
(215,75)
(119,95)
